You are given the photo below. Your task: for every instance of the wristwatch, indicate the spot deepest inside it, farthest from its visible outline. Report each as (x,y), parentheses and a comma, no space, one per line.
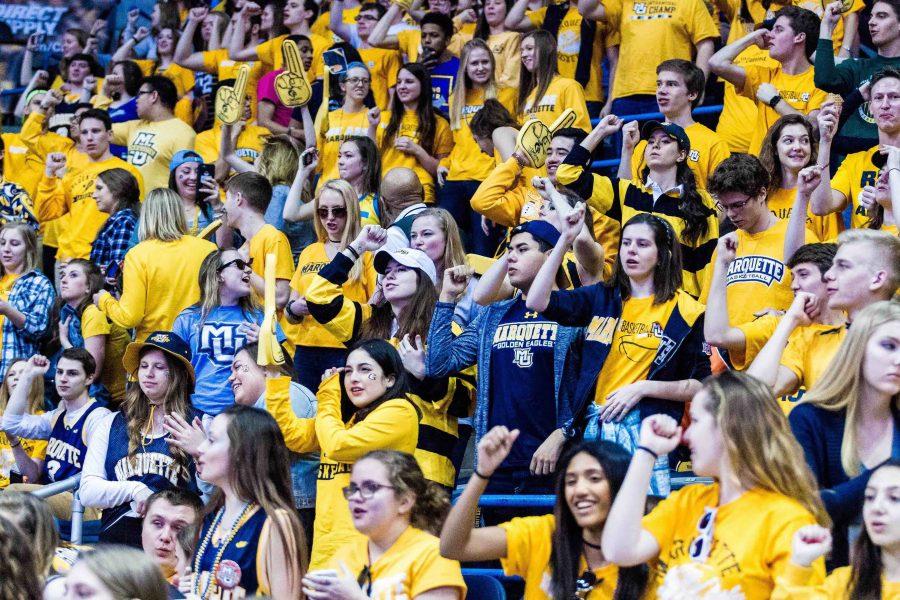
(775,100)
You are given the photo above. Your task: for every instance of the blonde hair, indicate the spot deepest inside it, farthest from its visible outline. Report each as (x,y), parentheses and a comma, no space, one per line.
(758,441)
(30,240)
(279,160)
(884,246)
(841,384)
(454,254)
(162,217)
(353,225)
(35,394)
(462,87)
(126,572)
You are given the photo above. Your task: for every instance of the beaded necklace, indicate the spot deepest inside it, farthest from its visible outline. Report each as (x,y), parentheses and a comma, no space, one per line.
(235,527)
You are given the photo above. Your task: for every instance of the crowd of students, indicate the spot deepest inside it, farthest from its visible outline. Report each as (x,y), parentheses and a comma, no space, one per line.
(466,304)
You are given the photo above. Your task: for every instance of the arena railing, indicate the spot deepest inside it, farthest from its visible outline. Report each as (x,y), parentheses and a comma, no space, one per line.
(67,485)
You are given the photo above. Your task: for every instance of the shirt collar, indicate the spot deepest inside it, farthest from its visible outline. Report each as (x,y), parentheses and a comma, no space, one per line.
(658,191)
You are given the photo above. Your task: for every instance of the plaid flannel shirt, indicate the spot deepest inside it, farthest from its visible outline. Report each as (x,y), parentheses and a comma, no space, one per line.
(113,239)
(32,294)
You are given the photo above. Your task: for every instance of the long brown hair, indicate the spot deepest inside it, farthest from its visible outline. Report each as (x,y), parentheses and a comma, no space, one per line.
(454,252)
(414,319)
(866,562)
(33,516)
(260,473)
(20,579)
(768,154)
(94,284)
(545,68)
(758,441)
(667,274)
(137,407)
(464,83)
(424,111)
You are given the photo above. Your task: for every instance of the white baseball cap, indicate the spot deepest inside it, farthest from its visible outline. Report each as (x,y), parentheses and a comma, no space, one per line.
(408,257)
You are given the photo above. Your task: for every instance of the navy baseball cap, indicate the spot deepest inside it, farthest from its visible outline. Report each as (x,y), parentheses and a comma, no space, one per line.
(540,230)
(670,129)
(167,342)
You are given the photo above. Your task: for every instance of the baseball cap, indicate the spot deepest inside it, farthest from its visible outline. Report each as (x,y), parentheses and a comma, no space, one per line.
(184,156)
(540,230)
(408,257)
(670,129)
(166,341)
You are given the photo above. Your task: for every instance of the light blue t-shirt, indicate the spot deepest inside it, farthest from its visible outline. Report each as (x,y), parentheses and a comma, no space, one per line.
(214,343)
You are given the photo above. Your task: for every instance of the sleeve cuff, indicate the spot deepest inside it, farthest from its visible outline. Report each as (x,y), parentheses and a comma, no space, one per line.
(796,575)
(578,155)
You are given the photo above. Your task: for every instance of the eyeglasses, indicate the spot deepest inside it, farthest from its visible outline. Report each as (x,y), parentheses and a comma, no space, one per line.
(338,213)
(735,207)
(366,18)
(366,490)
(702,545)
(240,263)
(142,92)
(357,81)
(585,584)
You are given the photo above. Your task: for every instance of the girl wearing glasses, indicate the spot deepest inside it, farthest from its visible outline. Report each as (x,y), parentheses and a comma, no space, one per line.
(129,456)
(398,512)
(848,422)
(873,572)
(644,350)
(412,134)
(160,273)
(466,167)
(337,223)
(733,536)
(251,542)
(218,326)
(557,555)
(362,407)
(789,146)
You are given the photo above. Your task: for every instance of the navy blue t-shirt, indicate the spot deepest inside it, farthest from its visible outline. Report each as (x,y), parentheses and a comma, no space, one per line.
(522,381)
(120,114)
(442,78)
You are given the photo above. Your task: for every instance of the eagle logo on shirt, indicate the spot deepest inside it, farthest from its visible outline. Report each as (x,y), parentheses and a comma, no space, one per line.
(694,156)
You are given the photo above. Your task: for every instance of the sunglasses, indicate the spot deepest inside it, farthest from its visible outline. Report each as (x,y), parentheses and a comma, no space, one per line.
(702,545)
(240,263)
(338,213)
(585,584)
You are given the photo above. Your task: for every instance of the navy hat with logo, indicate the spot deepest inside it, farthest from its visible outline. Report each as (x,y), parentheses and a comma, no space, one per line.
(540,230)
(167,342)
(670,129)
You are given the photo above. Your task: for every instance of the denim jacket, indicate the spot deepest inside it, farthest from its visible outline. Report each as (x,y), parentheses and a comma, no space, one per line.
(447,354)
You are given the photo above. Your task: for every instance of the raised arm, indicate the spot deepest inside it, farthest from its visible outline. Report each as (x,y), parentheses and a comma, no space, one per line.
(630,137)
(516,19)
(336,21)
(379,36)
(824,199)
(893,169)
(183,55)
(722,62)
(125,51)
(795,236)
(594,10)
(716,325)
(295,209)
(767,365)
(236,49)
(705,49)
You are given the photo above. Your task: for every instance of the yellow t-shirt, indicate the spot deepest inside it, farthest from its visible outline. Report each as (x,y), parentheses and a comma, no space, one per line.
(781,202)
(21,166)
(707,151)
(151,146)
(739,113)
(217,63)
(383,66)
(322,25)
(568,45)
(799,583)
(7,281)
(798,91)
(751,543)
(181,77)
(508,61)
(269,240)
(72,196)
(412,566)
(635,342)
(336,127)
(249,144)
(35,449)
(409,127)
(855,173)
(112,376)
(466,161)
(528,548)
(757,278)
(562,93)
(810,350)
(651,32)
(310,332)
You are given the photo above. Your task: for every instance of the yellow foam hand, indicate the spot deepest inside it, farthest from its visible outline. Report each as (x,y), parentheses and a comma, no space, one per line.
(533,142)
(292,87)
(404,4)
(566,119)
(269,353)
(230,99)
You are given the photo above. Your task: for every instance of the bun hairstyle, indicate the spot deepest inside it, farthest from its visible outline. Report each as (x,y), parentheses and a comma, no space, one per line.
(432,502)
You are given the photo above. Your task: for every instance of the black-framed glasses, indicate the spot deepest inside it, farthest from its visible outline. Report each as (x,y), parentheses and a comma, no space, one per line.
(143,92)
(701,546)
(240,263)
(338,212)
(366,490)
(585,584)
(351,81)
(735,207)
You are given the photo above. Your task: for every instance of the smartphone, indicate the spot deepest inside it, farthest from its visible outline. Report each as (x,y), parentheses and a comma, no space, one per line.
(308,158)
(205,171)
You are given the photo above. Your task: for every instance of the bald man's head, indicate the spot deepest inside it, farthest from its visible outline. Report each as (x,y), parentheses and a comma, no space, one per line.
(401,188)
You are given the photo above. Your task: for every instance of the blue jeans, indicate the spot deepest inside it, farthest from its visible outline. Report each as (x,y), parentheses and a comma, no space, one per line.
(311,362)
(455,197)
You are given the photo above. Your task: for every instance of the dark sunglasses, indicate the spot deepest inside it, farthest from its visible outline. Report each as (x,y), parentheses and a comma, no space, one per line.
(337,213)
(240,263)
(585,584)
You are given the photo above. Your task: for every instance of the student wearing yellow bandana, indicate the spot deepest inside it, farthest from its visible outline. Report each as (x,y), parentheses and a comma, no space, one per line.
(859,171)
(396,512)
(785,89)
(554,557)
(543,93)
(730,537)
